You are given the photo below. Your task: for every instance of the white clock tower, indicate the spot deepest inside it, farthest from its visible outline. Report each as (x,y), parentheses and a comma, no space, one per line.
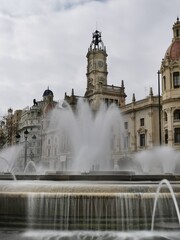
(97,88)
(96,64)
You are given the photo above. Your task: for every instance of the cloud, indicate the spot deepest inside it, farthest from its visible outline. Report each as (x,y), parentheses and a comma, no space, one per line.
(45,42)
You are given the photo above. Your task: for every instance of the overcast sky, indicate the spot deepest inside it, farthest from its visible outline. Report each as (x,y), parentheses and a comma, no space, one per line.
(44,43)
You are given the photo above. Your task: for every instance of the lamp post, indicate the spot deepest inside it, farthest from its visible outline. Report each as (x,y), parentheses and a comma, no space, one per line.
(34,137)
(26,146)
(17,138)
(2,138)
(25,156)
(159,107)
(32,154)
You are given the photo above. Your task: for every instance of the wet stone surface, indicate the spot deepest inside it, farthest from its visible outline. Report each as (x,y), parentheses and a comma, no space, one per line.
(6,234)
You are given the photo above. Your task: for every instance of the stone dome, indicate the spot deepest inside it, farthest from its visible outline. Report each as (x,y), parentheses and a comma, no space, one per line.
(173,52)
(47,92)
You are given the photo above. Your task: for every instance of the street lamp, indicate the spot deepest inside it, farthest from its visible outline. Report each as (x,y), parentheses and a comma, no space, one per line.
(26,146)
(159,106)
(34,137)
(25,137)
(32,154)
(17,138)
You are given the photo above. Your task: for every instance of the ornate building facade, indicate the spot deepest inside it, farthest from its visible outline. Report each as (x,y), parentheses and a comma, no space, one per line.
(150,122)
(170,72)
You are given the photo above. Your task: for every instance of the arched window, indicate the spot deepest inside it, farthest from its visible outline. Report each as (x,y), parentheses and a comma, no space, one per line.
(177,115)
(166,136)
(177,32)
(176,79)
(177,135)
(165,116)
(164,82)
(142,142)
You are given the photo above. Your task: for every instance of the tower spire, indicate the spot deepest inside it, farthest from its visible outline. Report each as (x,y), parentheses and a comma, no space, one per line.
(97,43)
(176,30)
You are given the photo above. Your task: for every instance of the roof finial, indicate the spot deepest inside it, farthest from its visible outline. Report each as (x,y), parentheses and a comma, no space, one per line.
(97,43)
(122,83)
(96,25)
(133,97)
(150,91)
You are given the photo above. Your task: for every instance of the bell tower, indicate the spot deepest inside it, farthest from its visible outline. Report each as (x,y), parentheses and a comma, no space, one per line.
(98,90)
(96,65)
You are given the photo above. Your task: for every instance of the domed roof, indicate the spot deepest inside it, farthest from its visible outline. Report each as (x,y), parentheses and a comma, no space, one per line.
(173,52)
(47,92)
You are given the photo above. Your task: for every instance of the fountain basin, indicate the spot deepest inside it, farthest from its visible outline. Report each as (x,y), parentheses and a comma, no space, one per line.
(90,176)
(85,205)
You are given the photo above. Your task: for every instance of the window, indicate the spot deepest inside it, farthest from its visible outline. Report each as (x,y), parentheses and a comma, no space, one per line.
(166,136)
(165,116)
(177,135)
(116,101)
(125,125)
(176,79)
(126,142)
(142,140)
(142,122)
(164,82)
(177,33)
(48,152)
(177,115)
(106,101)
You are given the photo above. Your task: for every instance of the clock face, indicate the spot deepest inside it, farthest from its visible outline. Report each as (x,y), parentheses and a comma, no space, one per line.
(100,64)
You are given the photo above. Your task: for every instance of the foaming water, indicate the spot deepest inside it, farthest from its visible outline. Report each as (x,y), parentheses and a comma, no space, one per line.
(95,141)
(88,135)
(88,235)
(84,141)
(30,167)
(159,160)
(8,158)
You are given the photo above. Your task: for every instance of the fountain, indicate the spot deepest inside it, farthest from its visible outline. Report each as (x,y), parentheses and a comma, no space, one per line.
(159,160)
(164,181)
(93,198)
(30,167)
(105,209)
(87,135)
(8,159)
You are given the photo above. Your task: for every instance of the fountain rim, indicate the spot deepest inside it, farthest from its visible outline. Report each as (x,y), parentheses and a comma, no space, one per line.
(101,176)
